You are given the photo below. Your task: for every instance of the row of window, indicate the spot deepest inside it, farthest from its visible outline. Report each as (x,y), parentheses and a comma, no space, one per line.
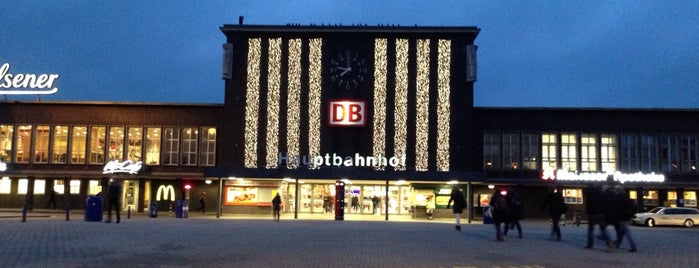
(40,186)
(591,152)
(81,144)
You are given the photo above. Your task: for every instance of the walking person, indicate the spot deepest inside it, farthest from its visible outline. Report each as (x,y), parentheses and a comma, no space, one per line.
(276,207)
(114,199)
(626,211)
(556,207)
(52,199)
(595,204)
(459,200)
(515,212)
(202,202)
(500,212)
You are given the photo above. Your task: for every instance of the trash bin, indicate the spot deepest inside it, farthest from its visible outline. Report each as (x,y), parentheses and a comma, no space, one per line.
(153,209)
(181,208)
(487,216)
(93,208)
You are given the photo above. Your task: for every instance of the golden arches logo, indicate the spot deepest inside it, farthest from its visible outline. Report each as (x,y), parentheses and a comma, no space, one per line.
(165,192)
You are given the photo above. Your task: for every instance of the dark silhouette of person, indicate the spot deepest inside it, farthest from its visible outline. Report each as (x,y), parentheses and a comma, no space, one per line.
(514,203)
(52,199)
(500,212)
(276,207)
(556,207)
(114,199)
(375,201)
(459,200)
(596,208)
(202,202)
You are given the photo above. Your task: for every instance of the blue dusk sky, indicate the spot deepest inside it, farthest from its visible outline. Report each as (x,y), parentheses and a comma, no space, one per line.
(605,54)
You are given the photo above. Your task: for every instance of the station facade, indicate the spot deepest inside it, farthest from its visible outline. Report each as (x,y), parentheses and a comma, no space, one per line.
(373,121)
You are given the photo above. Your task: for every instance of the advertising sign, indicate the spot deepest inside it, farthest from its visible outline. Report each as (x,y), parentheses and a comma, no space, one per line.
(347,113)
(26,84)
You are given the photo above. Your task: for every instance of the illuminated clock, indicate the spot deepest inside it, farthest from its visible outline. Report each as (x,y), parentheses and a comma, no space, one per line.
(347,70)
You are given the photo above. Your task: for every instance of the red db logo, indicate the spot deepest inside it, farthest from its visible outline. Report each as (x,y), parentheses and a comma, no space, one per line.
(350,113)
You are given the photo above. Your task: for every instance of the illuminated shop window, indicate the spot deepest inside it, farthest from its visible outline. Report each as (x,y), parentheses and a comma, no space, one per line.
(41,144)
(207,154)
(629,153)
(5,185)
(78,141)
(510,151)
(688,153)
(569,154)
(60,144)
(650,198)
(573,196)
(171,146)
(189,145)
(93,187)
(669,153)
(59,186)
(74,187)
(548,150)
(6,132)
(608,151)
(153,140)
(649,153)
(98,138)
(530,151)
(588,154)
(491,151)
(116,143)
(690,199)
(671,199)
(134,147)
(39,187)
(23,142)
(22,186)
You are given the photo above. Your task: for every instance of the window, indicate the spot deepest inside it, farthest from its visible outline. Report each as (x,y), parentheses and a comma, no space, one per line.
(41,144)
(60,144)
(573,196)
(98,138)
(208,147)
(74,187)
(491,151)
(688,153)
(58,186)
(153,146)
(650,198)
(588,152)
(569,152)
(39,187)
(669,155)
(530,151)
(690,199)
(649,153)
(548,150)
(629,153)
(78,143)
(672,198)
(608,151)
(135,145)
(6,132)
(510,151)
(189,145)
(5,185)
(93,187)
(116,143)
(23,143)
(22,186)
(171,146)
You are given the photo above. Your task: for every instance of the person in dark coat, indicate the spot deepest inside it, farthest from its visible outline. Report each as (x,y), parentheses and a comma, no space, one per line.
(514,203)
(556,207)
(276,207)
(595,207)
(499,211)
(459,200)
(114,199)
(627,209)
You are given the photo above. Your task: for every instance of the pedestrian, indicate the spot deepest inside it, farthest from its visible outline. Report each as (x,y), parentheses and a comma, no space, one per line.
(375,201)
(500,212)
(429,206)
(326,204)
(276,207)
(459,200)
(627,209)
(114,199)
(515,212)
(52,199)
(595,204)
(556,207)
(202,202)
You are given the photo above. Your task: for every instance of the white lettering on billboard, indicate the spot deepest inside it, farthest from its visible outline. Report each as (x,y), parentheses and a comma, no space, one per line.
(26,84)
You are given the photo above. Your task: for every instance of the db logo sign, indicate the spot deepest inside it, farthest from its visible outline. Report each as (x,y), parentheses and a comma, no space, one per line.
(350,113)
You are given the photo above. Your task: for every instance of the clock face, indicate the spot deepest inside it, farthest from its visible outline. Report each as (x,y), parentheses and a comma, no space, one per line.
(347,69)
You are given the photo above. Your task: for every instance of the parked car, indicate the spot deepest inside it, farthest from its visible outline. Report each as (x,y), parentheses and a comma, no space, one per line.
(683,216)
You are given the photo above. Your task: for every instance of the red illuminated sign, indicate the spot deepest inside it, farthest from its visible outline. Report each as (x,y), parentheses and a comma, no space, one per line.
(347,113)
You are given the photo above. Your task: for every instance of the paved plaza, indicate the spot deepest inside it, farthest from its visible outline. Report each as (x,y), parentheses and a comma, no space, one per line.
(207,241)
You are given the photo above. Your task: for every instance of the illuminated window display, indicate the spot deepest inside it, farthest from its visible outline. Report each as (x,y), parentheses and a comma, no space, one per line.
(78,141)
(23,143)
(41,144)
(135,144)
(98,138)
(153,146)
(60,144)
(116,143)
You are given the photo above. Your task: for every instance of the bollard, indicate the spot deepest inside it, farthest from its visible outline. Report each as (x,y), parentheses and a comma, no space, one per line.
(128,213)
(24,212)
(67,213)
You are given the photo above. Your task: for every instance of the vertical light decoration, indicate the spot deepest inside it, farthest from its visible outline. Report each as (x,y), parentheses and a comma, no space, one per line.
(443,105)
(293,103)
(252,102)
(314,88)
(273,86)
(422,95)
(379,134)
(401,100)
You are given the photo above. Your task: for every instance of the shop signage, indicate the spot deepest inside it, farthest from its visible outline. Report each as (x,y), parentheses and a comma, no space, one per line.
(165,192)
(335,160)
(26,84)
(563,175)
(347,113)
(127,166)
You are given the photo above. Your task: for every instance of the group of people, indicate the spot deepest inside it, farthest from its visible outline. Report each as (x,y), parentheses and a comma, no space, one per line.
(606,205)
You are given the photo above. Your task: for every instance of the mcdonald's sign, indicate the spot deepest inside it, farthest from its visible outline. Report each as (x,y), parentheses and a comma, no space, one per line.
(165,192)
